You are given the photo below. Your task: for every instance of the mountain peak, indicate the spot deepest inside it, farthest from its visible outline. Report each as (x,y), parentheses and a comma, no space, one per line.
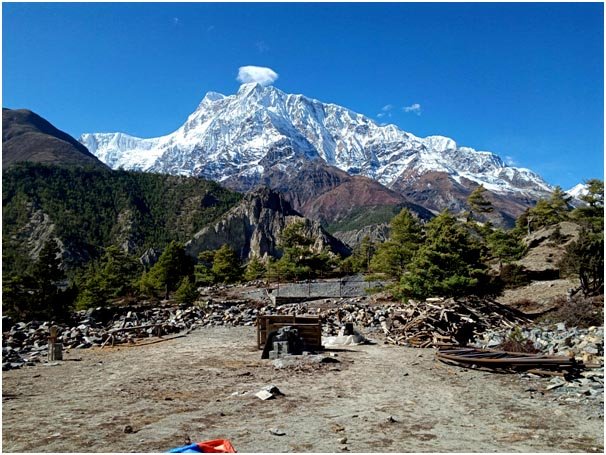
(241,138)
(250,88)
(213,96)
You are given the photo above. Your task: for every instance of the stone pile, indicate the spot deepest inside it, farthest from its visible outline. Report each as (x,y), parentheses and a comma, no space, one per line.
(582,344)
(586,345)
(25,343)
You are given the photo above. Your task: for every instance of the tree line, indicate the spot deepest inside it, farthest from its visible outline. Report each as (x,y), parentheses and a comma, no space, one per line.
(446,256)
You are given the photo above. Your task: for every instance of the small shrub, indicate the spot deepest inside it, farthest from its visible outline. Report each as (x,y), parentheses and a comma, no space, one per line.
(186,293)
(516,342)
(578,312)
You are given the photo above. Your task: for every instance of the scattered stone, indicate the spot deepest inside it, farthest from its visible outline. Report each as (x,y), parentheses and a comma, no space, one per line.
(277,432)
(343,441)
(128,429)
(264,395)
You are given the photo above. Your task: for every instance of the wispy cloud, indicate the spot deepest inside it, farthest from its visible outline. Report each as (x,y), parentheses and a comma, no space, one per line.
(510,161)
(262,47)
(385,111)
(259,74)
(176,21)
(414,108)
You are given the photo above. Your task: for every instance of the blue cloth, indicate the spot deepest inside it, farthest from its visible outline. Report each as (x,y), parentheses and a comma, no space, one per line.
(191,448)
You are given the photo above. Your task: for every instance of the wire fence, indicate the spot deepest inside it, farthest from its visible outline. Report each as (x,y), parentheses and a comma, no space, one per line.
(350,286)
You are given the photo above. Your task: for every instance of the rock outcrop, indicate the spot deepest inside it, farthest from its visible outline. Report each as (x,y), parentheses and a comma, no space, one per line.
(377,233)
(253,228)
(546,247)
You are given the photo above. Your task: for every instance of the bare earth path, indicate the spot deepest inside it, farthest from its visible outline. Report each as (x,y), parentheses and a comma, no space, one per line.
(183,388)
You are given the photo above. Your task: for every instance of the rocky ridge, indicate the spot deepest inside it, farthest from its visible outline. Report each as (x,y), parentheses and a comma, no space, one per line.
(28,137)
(253,228)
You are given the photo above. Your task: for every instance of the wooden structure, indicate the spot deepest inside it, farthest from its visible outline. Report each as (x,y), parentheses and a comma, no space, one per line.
(55,350)
(309,327)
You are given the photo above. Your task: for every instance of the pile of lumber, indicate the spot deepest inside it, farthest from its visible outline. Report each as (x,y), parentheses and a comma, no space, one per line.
(437,322)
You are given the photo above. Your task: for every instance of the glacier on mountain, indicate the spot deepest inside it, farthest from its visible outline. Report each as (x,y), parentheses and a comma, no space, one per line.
(261,128)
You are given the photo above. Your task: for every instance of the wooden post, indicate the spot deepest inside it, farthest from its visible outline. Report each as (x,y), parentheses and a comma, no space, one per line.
(55,350)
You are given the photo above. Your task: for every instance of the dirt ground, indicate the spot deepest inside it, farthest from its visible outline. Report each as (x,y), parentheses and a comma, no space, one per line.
(381,398)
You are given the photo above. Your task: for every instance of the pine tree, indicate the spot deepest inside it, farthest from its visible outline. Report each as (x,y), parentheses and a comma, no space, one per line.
(584,258)
(505,246)
(299,260)
(173,264)
(478,203)
(405,238)
(360,259)
(114,275)
(226,266)
(255,269)
(448,264)
(37,293)
(202,270)
(591,215)
(547,212)
(186,293)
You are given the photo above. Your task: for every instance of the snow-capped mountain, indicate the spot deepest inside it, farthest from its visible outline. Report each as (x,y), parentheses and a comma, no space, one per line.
(578,190)
(259,130)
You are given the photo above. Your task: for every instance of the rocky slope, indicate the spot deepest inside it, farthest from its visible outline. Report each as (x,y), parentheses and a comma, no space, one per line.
(28,137)
(253,228)
(261,133)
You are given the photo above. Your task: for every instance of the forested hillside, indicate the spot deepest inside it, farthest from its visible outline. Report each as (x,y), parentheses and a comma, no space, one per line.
(88,209)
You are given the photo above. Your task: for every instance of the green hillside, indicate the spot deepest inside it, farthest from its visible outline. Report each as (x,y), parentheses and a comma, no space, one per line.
(95,208)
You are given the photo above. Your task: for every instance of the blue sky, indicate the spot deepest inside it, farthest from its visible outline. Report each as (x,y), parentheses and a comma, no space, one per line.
(522,80)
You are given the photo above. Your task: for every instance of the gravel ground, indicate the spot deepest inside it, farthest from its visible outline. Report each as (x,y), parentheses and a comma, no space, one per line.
(379,398)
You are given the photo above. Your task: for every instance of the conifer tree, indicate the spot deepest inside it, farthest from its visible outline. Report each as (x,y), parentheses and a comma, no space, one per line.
(405,238)
(226,266)
(254,269)
(202,270)
(547,212)
(186,293)
(298,257)
(478,203)
(173,264)
(37,293)
(448,264)
(505,246)
(113,275)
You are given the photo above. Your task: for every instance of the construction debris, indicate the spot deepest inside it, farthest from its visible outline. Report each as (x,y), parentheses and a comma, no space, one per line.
(425,324)
(586,345)
(510,361)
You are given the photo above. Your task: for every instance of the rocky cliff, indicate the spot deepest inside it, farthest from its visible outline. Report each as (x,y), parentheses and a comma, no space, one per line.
(253,228)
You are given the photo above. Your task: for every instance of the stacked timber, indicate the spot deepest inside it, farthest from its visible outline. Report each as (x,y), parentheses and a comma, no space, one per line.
(451,321)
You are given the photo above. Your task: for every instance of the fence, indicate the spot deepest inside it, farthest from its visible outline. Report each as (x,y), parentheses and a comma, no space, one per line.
(350,286)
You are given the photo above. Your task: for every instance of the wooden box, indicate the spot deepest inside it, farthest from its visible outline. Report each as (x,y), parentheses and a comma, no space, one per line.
(309,327)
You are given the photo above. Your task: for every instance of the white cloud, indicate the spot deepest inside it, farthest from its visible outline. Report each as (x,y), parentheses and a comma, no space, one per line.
(385,111)
(259,74)
(414,108)
(176,21)
(510,161)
